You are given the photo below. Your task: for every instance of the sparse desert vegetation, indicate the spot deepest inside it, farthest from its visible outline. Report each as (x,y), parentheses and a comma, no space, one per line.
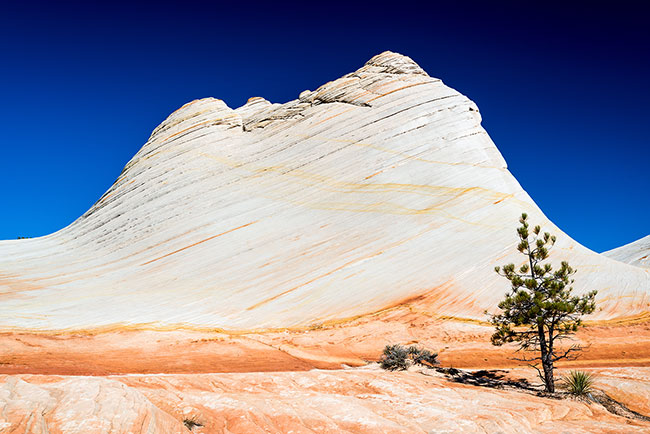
(540,310)
(578,383)
(191,423)
(399,358)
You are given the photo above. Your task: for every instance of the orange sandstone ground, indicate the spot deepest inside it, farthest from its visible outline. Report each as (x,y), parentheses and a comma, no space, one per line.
(313,380)
(139,379)
(461,344)
(355,400)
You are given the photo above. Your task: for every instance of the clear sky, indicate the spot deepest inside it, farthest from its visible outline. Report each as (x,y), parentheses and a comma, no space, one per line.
(564,91)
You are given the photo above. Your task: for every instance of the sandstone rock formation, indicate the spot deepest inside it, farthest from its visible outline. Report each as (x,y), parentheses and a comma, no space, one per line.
(375,188)
(636,253)
(346,401)
(81,405)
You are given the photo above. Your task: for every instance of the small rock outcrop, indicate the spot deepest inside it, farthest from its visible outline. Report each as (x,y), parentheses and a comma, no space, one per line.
(79,405)
(636,253)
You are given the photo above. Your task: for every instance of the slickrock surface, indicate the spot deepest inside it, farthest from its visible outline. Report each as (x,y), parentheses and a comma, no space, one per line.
(636,253)
(373,189)
(288,237)
(366,400)
(79,405)
(460,344)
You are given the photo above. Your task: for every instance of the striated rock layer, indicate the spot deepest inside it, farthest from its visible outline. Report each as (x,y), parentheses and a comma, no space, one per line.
(636,253)
(373,189)
(366,400)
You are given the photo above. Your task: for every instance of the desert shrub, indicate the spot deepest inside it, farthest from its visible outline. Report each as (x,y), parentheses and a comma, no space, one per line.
(398,358)
(578,383)
(191,423)
(421,356)
(394,358)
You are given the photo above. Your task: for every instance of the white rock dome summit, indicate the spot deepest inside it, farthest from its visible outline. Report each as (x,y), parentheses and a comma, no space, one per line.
(375,188)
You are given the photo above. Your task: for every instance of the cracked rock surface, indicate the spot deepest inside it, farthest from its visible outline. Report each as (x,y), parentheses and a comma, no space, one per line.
(363,400)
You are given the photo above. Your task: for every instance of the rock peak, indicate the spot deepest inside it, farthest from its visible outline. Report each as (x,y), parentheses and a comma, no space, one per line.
(262,217)
(392,63)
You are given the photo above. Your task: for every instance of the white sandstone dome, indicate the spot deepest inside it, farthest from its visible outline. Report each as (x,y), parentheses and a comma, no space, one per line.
(373,189)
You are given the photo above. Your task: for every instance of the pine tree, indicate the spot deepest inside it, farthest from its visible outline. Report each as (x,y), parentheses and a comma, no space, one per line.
(540,310)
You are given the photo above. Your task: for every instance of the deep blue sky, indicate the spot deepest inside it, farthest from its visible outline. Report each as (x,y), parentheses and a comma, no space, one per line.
(564,92)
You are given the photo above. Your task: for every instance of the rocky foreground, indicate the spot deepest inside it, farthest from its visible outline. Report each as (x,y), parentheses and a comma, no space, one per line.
(121,380)
(357,400)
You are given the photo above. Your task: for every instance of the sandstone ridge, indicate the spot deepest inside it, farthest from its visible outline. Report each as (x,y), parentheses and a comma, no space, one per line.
(374,189)
(636,253)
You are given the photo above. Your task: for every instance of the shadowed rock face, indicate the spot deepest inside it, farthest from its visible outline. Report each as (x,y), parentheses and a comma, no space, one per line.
(636,253)
(375,188)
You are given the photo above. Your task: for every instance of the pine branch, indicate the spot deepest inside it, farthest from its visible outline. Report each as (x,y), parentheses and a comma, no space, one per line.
(539,373)
(567,354)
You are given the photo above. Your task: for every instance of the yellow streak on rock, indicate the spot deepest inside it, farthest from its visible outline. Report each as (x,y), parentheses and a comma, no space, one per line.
(199,242)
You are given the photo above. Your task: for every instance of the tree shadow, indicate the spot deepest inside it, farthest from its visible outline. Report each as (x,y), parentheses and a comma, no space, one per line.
(493,378)
(496,379)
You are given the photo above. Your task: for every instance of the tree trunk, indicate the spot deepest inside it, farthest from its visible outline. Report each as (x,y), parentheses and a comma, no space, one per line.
(547,364)
(547,361)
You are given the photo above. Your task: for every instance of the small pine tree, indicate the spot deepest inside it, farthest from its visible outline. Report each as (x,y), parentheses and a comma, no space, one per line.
(539,310)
